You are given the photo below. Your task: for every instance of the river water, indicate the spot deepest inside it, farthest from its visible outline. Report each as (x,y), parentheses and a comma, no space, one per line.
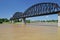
(33,31)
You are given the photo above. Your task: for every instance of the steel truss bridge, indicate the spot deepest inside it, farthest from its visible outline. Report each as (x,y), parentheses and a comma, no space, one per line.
(39,9)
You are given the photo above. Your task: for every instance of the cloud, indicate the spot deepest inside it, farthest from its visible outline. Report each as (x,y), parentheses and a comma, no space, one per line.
(47,16)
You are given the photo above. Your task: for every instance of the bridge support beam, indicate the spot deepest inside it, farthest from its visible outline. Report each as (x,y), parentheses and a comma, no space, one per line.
(58,19)
(24,21)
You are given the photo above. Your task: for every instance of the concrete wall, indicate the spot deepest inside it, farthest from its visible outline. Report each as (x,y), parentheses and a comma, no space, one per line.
(59,19)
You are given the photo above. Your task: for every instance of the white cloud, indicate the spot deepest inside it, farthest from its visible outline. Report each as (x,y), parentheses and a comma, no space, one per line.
(47,16)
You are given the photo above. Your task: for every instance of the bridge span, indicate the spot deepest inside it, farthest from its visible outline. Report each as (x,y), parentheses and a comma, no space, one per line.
(39,9)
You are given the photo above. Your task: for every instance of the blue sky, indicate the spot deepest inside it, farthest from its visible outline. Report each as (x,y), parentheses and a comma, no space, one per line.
(9,7)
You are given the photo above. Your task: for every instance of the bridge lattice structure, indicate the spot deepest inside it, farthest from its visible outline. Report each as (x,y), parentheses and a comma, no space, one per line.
(39,9)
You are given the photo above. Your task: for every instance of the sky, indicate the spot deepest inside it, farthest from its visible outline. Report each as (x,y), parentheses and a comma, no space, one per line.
(9,7)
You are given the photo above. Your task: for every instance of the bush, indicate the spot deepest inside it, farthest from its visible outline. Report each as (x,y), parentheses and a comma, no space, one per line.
(1,22)
(28,21)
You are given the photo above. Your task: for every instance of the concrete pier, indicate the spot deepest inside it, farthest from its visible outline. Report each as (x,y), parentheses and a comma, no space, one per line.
(59,19)
(23,20)
(12,21)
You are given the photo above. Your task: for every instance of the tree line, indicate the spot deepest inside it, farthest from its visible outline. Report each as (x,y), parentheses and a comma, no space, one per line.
(45,21)
(28,21)
(3,20)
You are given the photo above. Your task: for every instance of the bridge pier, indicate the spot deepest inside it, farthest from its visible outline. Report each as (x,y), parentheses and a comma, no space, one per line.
(23,20)
(12,21)
(58,19)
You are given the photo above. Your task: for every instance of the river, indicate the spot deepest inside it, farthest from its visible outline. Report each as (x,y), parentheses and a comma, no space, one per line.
(32,31)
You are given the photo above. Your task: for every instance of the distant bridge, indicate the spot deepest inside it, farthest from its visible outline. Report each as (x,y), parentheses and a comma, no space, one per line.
(39,9)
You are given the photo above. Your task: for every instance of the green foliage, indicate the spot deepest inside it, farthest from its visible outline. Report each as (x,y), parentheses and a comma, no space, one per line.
(3,20)
(52,21)
(46,21)
(28,21)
